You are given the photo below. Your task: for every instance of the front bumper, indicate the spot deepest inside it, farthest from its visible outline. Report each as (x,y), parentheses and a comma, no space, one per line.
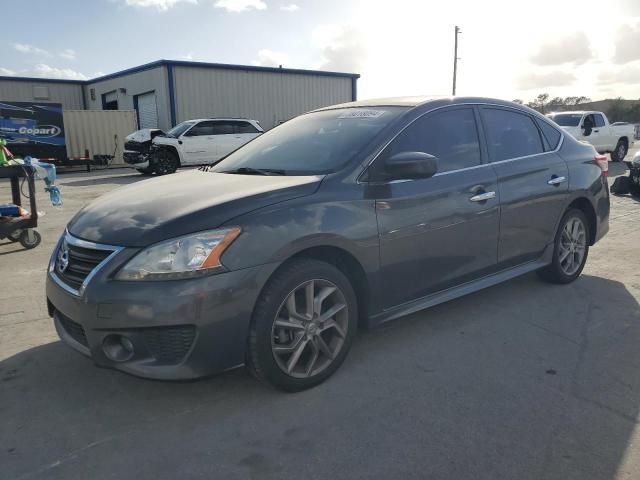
(136,159)
(179,329)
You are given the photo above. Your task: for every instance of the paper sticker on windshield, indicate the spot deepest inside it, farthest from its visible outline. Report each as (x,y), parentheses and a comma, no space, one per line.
(360,113)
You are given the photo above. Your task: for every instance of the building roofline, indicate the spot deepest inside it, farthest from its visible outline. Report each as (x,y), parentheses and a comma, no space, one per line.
(184,63)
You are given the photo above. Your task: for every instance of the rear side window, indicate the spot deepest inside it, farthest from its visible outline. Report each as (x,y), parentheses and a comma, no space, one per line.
(551,134)
(511,134)
(451,135)
(599,120)
(245,127)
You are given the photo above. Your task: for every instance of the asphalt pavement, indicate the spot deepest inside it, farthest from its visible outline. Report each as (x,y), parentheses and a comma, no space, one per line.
(524,380)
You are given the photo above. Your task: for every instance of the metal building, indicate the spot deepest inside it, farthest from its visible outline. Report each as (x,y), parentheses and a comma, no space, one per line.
(166,92)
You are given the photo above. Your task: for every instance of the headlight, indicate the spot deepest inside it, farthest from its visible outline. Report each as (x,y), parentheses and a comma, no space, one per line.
(184,257)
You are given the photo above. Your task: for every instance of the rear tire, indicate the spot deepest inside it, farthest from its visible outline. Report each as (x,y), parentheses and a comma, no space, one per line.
(620,151)
(295,344)
(166,162)
(571,249)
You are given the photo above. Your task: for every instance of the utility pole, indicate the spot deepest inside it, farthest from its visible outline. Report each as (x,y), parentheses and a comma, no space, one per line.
(455,60)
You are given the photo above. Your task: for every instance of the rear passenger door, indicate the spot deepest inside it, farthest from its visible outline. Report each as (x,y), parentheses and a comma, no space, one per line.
(532,182)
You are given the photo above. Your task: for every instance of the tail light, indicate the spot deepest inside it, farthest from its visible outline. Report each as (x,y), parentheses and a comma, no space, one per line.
(603,163)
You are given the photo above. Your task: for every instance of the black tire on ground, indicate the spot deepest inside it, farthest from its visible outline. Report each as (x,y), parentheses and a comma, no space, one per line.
(265,338)
(165,162)
(556,272)
(620,151)
(33,243)
(14,236)
(621,186)
(145,171)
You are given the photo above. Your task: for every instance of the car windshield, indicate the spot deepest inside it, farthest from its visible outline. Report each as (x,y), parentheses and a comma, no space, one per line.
(312,144)
(567,119)
(179,129)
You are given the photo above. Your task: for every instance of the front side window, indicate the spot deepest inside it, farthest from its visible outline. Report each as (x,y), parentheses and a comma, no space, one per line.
(511,134)
(222,128)
(313,144)
(202,129)
(451,136)
(599,120)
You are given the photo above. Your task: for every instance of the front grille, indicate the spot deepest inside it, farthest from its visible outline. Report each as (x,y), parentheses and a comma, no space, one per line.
(142,147)
(169,345)
(75,330)
(80,262)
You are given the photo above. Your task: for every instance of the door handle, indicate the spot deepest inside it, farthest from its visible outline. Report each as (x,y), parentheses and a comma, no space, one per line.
(596,131)
(556,180)
(483,197)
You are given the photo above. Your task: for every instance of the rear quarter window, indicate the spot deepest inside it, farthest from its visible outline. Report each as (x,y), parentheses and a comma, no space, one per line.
(551,134)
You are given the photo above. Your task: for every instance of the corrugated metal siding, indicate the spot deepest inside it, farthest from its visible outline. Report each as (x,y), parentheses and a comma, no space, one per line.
(135,84)
(98,131)
(267,97)
(68,94)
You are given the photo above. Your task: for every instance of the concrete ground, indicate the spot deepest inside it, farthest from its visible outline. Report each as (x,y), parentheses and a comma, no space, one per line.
(524,380)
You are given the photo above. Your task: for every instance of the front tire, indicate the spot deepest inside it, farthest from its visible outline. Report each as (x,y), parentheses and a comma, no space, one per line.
(303,325)
(145,171)
(620,151)
(571,249)
(166,162)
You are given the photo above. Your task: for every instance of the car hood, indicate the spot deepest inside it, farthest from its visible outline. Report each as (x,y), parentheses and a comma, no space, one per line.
(158,209)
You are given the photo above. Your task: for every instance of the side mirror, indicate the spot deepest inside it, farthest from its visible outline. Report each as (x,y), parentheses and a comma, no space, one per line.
(410,165)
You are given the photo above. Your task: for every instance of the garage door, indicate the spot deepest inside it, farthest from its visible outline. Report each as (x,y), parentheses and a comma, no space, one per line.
(147,110)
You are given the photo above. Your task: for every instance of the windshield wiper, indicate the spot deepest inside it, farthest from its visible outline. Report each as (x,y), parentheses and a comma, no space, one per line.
(256,171)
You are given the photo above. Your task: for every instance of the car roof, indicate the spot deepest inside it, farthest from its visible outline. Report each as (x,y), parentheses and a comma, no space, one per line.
(419,101)
(220,118)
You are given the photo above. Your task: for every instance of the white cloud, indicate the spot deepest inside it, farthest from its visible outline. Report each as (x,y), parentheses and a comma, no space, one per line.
(628,75)
(241,5)
(46,71)
(571,48)
(30,49)
(161,5)
(188,56)
(7,71)
(556,78)
(270,58)
(68,53)
(627,41)
(292,7)
(343,48)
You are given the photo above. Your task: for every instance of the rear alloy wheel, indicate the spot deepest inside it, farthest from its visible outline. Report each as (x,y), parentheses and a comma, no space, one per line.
(303,325)
(620,151)
(571,249)
(166,162)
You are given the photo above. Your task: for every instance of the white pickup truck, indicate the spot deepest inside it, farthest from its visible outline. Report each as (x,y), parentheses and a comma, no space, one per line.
(594,128)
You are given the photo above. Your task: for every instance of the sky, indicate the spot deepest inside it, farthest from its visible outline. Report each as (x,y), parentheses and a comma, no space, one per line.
(508,48)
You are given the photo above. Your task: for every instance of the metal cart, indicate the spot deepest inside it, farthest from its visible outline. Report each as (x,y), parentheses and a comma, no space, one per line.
(21,229)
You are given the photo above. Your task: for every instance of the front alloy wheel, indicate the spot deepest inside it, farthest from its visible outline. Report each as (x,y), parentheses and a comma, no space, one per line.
(309,329)
(303,325)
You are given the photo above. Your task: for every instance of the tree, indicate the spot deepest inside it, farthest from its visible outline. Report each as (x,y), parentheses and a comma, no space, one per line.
(540,102)
(518,101)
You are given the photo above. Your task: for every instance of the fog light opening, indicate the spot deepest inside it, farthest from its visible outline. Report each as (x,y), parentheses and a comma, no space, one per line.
(117,348)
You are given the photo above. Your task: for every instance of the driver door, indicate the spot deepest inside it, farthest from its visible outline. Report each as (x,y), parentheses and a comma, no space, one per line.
(437,232)
(198,143)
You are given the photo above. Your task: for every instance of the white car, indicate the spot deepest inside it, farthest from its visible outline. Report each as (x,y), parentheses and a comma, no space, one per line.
(594,128)
(198,142)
